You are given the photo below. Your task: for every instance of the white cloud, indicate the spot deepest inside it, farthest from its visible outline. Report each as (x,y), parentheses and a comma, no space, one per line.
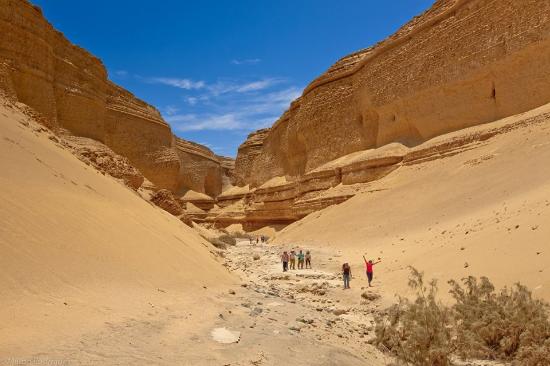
(238,112)
(193,122)
(186,84)
(191,100)
(121,73)
(258,85)
(226,87)
(171,110)
(249,61)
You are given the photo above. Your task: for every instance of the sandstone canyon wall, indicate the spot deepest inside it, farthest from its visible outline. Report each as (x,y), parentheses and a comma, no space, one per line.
(70,88)
(460,64)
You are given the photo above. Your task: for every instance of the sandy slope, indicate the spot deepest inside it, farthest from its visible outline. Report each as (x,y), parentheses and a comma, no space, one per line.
(83,257)
(91,274)
(484,211)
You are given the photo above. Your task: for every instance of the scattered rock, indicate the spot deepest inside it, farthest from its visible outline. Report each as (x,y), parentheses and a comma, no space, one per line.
(370,296)
(256,312)
(225,336)
(304,320)
(166,200)
(339,311)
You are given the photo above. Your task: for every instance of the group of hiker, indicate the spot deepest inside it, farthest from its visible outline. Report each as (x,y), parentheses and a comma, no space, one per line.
(289,260)
(259,239)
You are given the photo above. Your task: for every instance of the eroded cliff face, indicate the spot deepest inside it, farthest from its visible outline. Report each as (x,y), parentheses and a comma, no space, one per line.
(70,88)
(460,64)
(200,170)
(247,155)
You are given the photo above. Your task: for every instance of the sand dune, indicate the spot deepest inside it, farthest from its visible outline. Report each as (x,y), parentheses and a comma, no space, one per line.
(81,252)
(482,211)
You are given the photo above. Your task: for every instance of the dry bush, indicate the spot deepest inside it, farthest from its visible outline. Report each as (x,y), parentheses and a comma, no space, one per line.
(482,324)
(217,243)
(418,332)
(222,241)
(227,239)
(509,325)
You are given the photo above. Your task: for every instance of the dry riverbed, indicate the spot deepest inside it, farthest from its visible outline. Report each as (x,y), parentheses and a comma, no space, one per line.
(302,316)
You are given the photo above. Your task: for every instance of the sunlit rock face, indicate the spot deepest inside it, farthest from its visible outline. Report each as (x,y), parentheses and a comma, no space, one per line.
(461,63)
(70,88)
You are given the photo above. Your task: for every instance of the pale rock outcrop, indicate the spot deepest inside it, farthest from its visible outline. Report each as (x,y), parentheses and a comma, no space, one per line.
(201,200)
(164,199)
(104,159)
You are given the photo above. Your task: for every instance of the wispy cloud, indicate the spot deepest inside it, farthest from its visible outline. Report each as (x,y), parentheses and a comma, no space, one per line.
(215,89)
(186,84)
(258,85)
(171,110)
(248,61)
(237,112)
(194,122)
(121,73)
(230,86)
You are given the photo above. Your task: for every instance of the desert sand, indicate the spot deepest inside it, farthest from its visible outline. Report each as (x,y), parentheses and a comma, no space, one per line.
(429,149)
(91,273)
(482,210)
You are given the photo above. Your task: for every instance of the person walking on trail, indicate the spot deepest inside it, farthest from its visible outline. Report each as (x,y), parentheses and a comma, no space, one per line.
(308,259)
(346,273)
(369,267)
(292,259)
(301,260)
(284,259)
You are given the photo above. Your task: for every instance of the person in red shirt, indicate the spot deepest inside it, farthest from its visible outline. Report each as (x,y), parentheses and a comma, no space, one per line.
(369,267)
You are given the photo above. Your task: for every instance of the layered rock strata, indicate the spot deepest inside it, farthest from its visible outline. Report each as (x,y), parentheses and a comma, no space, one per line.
(200,169)
(247,154)
(280,201)
(70,88)
(460,64)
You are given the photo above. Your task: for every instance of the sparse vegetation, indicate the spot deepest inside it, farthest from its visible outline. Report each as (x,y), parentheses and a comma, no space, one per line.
(227,239)
(482,324)
(217,243)
(418,332)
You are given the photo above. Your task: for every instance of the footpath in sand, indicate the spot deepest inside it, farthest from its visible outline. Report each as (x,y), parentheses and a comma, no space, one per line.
(300,316)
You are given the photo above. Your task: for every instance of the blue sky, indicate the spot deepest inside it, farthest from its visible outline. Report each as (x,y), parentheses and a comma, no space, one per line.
(218,70)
